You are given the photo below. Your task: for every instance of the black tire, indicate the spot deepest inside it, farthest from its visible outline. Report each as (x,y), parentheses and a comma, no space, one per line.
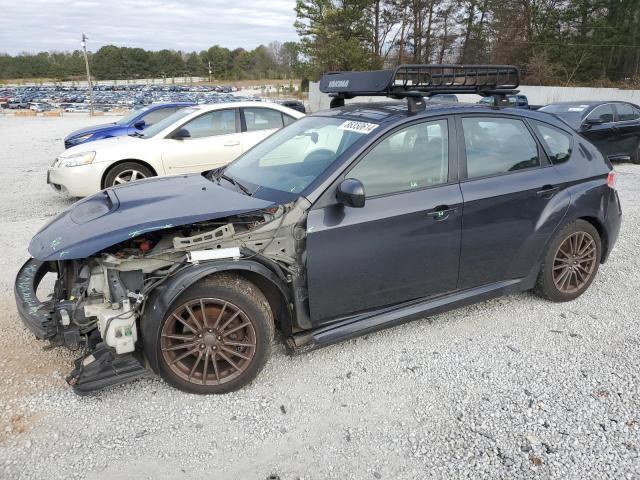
(238,295)
(122,168)
(555,263)
(635,158)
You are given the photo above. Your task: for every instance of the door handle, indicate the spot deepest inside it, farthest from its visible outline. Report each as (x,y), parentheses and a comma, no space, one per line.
(441,212)
(231,143)
(547,191)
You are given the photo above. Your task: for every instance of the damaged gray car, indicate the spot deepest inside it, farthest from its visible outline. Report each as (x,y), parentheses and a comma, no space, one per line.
(343,223)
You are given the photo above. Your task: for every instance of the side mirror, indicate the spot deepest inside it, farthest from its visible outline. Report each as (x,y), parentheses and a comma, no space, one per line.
(139,124)
(350,192)
(589,122)
(181,134)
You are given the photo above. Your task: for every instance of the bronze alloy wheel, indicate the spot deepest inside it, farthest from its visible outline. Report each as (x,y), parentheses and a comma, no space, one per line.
(574,262)
(208,341)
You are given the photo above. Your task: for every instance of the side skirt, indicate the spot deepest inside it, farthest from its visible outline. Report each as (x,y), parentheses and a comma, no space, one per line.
(413,310)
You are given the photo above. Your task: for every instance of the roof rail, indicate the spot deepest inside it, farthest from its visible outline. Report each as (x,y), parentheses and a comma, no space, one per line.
(414,82)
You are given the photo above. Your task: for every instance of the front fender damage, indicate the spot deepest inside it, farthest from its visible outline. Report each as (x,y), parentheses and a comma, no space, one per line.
(111,303)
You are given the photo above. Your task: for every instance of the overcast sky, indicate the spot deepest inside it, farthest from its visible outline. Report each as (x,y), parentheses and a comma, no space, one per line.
(44,25)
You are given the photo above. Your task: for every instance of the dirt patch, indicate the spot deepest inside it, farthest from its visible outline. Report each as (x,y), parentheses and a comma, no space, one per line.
(12,427)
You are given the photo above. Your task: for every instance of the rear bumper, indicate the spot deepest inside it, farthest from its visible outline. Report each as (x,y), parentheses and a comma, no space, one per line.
(613,221)
(37,316)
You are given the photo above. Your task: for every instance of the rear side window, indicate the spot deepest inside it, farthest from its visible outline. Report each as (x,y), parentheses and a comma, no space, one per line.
(262,119)
(287,119)
(557,143)
(411,158)
(626,112)
(498,145)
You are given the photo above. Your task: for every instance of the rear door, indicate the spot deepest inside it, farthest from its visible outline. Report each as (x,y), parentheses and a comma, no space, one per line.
(404,243)
(628,127)
(512,199)
(260,122)
(214,140)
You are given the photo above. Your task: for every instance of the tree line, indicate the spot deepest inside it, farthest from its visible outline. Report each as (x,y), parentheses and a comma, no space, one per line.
(554,42)
(274,61)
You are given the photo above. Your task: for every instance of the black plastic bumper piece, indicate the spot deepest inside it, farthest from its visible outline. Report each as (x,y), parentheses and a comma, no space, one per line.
(36,315)
(103,368)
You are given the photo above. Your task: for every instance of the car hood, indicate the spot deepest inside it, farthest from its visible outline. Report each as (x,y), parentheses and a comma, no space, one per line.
(94,129)
(124,212)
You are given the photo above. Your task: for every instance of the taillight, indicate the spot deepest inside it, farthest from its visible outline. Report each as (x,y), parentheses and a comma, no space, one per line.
(611,179)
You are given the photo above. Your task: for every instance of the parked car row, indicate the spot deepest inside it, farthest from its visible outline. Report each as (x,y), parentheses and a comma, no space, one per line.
(338,224)
(131,96)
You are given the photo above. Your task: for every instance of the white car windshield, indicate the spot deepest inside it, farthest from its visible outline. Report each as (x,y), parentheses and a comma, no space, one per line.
(166,122)
(292,158)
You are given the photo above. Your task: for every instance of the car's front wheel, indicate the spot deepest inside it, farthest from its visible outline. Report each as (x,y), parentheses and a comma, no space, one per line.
(126,172)
(571,262)
(216,337)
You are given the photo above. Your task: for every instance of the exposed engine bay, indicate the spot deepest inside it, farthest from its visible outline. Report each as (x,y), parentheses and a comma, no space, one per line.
(99,302)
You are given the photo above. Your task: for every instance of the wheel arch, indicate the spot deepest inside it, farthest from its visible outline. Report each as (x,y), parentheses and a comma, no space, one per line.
(161,298)
(125,160)
(602,231)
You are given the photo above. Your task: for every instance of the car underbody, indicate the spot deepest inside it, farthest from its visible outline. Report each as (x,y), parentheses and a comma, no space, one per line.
(99,303)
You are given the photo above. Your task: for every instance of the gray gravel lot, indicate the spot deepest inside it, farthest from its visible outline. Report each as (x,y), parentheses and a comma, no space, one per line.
(512,388)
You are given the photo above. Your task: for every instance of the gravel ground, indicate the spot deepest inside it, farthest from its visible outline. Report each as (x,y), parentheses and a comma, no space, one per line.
(512,388)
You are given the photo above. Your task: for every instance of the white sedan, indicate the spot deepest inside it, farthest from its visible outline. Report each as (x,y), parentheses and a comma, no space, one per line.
(193,139)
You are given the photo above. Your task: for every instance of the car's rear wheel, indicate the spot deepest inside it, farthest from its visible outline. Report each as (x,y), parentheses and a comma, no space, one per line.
(216,337)
(571,262)
(126,172)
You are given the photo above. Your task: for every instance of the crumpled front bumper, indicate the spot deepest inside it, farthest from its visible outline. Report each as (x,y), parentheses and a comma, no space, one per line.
(36,315)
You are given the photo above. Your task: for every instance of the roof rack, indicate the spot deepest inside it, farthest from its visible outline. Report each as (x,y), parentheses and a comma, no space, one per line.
(414,82)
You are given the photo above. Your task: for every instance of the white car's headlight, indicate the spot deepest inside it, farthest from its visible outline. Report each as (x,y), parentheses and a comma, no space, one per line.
(84,158)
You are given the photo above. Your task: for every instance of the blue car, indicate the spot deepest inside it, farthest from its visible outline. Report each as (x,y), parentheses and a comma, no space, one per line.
(135,121)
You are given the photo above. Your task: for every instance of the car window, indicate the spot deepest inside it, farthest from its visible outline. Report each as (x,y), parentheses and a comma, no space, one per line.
(557,143)
(155,116)
(262,119)
(293,157)
(414,157)
(626,112)
(498,145)
(288,120)
(602,112)
(211,124)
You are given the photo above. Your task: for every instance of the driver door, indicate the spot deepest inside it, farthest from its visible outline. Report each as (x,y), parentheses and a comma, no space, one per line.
(214,140)
(404,243)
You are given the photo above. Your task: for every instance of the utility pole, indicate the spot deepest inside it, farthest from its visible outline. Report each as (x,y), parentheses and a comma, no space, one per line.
(86,63)
(209,63)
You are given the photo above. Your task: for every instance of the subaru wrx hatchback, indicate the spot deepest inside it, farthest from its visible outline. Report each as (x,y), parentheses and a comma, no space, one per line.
(342,223)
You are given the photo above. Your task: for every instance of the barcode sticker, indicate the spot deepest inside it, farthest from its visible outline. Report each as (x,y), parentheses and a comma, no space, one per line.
(360,127)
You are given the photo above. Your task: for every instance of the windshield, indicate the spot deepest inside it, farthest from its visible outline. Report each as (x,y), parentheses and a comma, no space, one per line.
(292,158)
(126,120)
(571,113)
(156,128)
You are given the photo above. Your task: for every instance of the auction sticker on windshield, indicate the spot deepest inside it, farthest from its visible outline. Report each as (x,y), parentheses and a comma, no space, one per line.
(360,127)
